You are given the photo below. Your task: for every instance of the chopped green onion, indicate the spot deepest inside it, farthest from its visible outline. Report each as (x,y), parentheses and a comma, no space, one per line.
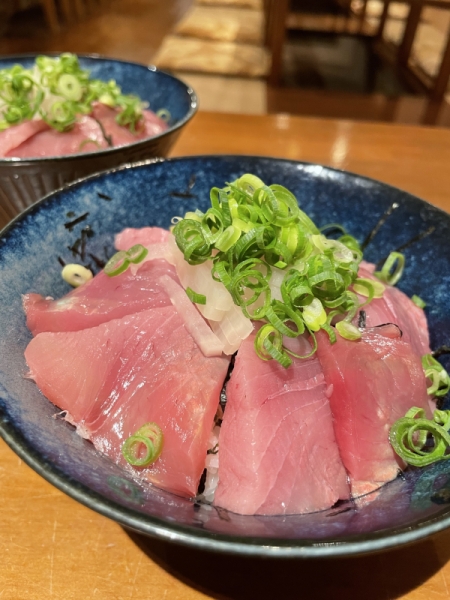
(137,253)
(58,90)
(418,301)
(144,447)
(117,264)
(435,372)
(408,437)
(348,330)
(194,297)
(392,269)
(120,261)
(253,230)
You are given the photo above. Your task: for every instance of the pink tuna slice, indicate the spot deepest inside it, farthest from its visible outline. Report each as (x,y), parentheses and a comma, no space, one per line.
(396,307)
(85,136)
(142,368)
(151,126)
(146,236)
(16,135)
(99,300)
(277,448)
(375,381)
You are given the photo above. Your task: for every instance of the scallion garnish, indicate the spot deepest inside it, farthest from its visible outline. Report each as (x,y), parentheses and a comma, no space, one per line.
(392,269)
(409,435)
(251,231)
(58,90)
(145,446)
(435,372)
(120,261)
(418,301)
(194,297)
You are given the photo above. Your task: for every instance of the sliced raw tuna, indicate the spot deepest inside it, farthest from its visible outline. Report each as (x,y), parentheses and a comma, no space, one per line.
(85,136)
(146,236)
(277,448)
(374,381)
(396,307)
(99,300)
(114,378)
(122,135)
(16,135)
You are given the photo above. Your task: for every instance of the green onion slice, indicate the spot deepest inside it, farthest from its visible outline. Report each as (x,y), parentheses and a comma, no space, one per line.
(408,437)
(144,447)
(435,372)
(392,269)
(418,301)
(117,264)
(194,297)
(137,253)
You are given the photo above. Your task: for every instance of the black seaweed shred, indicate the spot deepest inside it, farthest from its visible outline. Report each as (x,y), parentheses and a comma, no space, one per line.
(377,227)
(440,351)
(385,324)
(362,319)
(70,224)
(106,137)
(417,238)
(202,482)
(187,192)
(339,512)
(98,261)
(70,214)
(61,262)
(104,196)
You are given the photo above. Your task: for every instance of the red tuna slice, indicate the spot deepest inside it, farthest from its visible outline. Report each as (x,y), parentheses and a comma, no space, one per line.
(375,381)
(122,135)
(99,300)
(277,448)
(396,307)
(85,136)
(16,135)
(146,236)
(143,368)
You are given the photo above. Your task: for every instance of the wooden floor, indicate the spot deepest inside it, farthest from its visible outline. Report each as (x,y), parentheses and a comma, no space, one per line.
(125,29)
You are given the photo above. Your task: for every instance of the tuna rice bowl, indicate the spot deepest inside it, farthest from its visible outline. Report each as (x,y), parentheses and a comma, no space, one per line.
(244,354)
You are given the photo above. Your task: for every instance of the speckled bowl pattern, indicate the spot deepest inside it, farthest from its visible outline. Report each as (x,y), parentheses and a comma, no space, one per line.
(23,181)
(409,508)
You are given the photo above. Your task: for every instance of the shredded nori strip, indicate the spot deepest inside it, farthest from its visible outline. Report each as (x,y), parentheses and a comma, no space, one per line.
(362,319)
(440,351)
(384,325)
(74,248)
(106,137)
(214,450)
(98,261)
(377,227)
(413,240)
(339,512)
(70,214)
(61,262)
(202,482)
(192,181)
(187,193)
(104,196)
(70,224)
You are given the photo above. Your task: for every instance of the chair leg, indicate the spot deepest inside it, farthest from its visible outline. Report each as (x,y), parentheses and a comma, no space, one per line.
(51,15)
(441,82)
(277,34)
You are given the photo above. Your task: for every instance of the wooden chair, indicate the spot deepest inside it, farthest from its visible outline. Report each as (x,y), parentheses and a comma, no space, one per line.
(405,55)
(280,18)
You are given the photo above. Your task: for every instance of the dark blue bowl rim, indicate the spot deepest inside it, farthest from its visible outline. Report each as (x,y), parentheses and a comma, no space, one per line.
(185,535)
(193,107)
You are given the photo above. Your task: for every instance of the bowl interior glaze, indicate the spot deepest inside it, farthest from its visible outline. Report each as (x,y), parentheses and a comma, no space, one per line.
(407,509)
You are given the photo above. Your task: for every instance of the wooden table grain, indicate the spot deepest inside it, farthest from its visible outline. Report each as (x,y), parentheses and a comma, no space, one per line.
(53,547)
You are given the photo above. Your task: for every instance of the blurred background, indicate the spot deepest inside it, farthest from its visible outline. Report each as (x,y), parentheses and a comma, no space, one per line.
(375,60)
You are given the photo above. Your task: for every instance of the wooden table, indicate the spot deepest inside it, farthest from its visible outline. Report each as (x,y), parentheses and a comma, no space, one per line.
(53,547)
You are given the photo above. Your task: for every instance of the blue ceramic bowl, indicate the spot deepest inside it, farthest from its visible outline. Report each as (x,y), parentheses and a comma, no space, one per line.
(23,181)
(406,510)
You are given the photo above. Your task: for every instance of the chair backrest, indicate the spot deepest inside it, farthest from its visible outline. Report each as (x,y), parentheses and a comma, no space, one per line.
(406,54)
